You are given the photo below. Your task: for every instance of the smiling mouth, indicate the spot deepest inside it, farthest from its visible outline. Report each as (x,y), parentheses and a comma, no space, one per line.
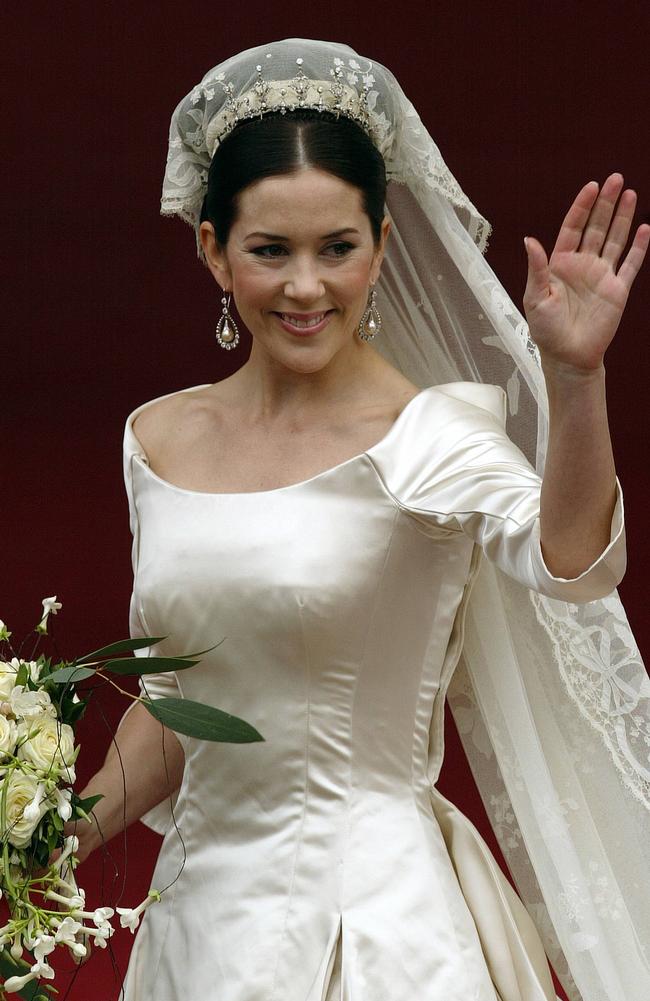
(304,320)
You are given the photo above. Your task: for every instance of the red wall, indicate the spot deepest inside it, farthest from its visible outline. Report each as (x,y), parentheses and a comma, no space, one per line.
(108,307)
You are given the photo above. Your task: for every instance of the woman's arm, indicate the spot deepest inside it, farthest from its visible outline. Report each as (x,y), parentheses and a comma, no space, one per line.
(134,785)
(579,485)
(574,302)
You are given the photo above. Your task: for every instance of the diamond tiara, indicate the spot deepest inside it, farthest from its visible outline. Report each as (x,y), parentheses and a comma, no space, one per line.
(334,95)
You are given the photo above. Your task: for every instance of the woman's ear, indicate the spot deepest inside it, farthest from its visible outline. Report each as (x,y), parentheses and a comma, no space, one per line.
(215,256)
(380,250)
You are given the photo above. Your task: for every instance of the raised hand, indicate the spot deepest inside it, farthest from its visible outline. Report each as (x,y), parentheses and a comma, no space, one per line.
(574,301)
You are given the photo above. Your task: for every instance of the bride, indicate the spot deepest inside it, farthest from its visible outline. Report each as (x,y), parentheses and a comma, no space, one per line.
(405,492)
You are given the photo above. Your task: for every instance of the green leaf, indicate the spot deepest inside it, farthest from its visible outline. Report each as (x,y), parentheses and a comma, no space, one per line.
(147,665)
(41,854)
(205,722)
(73,673)
(121,646)
(199,653)
(86,804)
(74,711)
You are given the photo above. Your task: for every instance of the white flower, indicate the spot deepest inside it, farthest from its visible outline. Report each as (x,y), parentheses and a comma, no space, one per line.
(8,736)
(70,845)
(52,746)
(31,705)
(33,810)
(17,947)
(130,917)
(43,946)
(50,607)
(32,665)
(102,935)
(4,632)
(21,790)
(101,916)
(73,901)
(8,675)
(65,933)
(17,983)
(63,804)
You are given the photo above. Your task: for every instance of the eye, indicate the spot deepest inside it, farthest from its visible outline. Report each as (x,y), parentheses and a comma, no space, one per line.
(269,250)
(339,249)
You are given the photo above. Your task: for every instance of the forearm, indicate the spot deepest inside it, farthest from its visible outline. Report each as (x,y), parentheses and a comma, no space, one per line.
(579,485)
(134,784)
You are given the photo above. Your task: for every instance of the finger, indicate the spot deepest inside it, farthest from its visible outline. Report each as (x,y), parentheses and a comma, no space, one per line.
(576,219)
(537,281)
(620,228)
(636,255)
(600,217)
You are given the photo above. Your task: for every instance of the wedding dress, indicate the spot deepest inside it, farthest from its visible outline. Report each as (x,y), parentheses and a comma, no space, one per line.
(322,864)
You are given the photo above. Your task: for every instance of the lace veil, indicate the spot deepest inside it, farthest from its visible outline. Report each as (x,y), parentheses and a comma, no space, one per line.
(551,699)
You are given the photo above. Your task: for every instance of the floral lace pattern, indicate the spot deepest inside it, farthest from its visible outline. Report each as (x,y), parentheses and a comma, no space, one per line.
(603,673)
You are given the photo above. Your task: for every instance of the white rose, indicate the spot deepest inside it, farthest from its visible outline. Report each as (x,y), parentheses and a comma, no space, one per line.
(31,705)
(53,745)
(8,736)
(21,790)
(7,680)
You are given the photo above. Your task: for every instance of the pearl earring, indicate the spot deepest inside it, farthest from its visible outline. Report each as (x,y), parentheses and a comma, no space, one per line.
(370,323)
(226,333)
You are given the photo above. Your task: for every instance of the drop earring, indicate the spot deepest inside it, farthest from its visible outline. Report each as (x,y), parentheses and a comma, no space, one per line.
(370,323)
(226,332)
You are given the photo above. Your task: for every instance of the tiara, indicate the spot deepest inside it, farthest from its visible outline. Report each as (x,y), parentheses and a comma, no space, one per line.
(348,94)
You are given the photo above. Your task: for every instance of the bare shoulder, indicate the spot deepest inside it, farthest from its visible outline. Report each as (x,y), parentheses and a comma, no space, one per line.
(161,423)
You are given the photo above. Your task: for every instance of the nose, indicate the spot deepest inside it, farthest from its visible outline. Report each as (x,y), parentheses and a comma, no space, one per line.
(303,280)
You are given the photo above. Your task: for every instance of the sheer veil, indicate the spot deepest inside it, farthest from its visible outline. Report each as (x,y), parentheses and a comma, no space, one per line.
(551,699)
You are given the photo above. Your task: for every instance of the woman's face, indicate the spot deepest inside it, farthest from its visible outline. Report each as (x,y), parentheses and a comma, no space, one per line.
(299,261)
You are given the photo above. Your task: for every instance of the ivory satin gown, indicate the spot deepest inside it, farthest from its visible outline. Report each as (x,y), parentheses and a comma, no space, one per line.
(322,864)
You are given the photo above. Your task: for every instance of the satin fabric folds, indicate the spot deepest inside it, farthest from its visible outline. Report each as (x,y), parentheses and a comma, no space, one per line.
(322,863)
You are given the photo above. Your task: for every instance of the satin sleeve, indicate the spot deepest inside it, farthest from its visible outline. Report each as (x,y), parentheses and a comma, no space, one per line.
(462,473)
(159,685)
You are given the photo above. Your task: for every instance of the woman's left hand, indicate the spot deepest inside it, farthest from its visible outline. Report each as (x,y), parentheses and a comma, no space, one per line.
(574,301)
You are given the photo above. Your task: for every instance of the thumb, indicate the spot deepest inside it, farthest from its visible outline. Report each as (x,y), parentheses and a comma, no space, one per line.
(537,283)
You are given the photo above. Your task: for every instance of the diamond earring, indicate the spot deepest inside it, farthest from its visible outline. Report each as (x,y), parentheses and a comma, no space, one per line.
(370,323)
(226,333)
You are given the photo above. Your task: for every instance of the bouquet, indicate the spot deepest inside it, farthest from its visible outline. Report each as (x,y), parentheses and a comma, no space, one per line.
(39,709)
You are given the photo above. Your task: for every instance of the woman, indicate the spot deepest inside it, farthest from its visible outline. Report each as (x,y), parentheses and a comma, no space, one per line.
(355,539)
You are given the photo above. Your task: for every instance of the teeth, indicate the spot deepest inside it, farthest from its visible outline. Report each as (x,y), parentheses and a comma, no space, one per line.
(295,322)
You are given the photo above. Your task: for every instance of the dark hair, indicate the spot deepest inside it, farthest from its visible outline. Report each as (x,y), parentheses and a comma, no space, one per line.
(283,144)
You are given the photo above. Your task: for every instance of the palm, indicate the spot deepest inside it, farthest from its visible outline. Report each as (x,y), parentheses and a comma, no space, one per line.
(575,300)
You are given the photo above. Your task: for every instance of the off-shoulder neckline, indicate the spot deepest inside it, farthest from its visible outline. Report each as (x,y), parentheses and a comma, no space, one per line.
(139,453)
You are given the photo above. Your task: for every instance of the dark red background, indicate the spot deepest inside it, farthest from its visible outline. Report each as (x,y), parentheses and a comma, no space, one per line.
(108,307)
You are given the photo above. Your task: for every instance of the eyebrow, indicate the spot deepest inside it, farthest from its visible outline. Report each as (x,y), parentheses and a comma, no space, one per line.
(285,239)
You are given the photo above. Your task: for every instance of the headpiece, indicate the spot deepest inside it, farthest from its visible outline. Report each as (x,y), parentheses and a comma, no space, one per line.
(551,699)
